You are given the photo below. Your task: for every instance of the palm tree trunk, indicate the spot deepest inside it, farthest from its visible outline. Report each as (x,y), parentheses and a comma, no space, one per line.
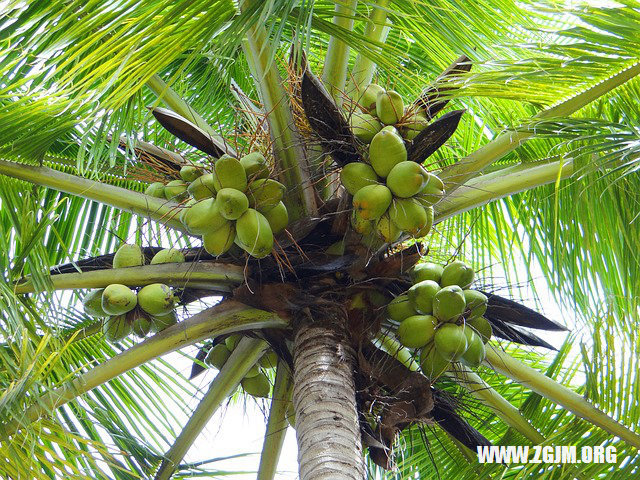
(327,428)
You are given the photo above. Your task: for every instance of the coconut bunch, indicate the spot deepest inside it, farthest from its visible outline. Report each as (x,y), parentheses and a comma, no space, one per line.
(236,202)
(255,383)
(443,317)
(141,311)
(391,195)
(379,107)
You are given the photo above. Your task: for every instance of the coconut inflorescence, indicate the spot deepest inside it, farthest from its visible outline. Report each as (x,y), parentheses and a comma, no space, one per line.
(442,316)
(124,310)
(234,203)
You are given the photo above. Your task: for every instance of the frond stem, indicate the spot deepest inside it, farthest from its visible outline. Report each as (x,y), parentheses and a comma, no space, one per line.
(507,181)
(376,31)
(158,209)
(277,423)
(538,382)
(217,277)
(334,74)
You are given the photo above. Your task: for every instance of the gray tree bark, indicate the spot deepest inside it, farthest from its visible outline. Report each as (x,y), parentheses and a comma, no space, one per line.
(328,433)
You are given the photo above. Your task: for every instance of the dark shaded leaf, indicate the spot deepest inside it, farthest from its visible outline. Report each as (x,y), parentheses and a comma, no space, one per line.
(434,136)
(327,121)
(190,133)
(197,368)
(430,101)
(517,335)
(445,415)
(514,313)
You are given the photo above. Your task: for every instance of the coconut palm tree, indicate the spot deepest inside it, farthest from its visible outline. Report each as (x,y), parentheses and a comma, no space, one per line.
(531,123)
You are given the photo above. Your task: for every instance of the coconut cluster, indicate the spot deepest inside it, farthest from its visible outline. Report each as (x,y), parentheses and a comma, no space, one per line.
(141,311)
(391,194)
(255,383)
(443,317)
(380,108)
(236,202)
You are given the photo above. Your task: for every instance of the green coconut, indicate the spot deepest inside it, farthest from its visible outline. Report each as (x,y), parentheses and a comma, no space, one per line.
(253,371)
(231,203)
(116,328)
(390,129)
(360,225)
(160,322)
(155,189)
(228,172)
(476,303)
(371,201)
(432,363)
(253,234)
(406,179)
(128,255)
(92,303)
(421,296)
(450,341)
(408,215)
(269,359)
(118,299)
(424,231)
(221,240)
(368,97)
(457,273)
(413,125)
(232,341)
(202,217)
(386,151)
(203,187)
(433,190)
(417,331)
(189,173)
(377,299)
(387,230)
(140,322)
(364,126)
(356,175)
(426,271)
(257,386)
(156,299)
(449,303)
(475,353)
(217,355)
(400,308)
(255,166)
(482,327)
(175,190)
(265,193)
(168,255)
(278,217)
(389,107)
